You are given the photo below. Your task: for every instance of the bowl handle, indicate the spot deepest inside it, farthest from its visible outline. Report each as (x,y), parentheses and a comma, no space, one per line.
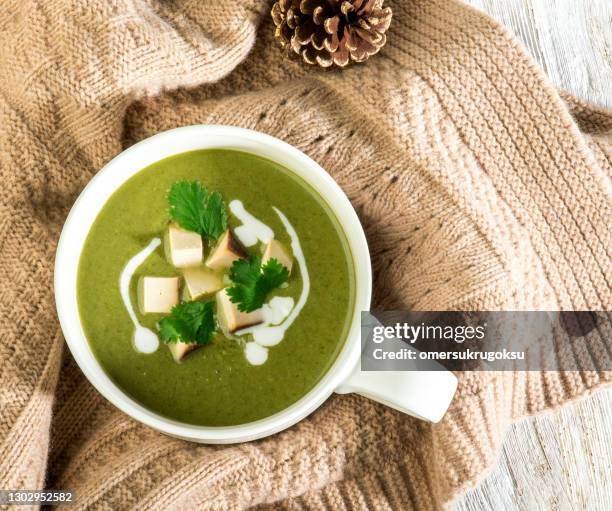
(425,394)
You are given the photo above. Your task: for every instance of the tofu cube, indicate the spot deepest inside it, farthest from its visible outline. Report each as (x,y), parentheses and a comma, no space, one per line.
(180,349)
(230,318)
(276,250)
(183,248)
(157,294)
(227,250)
(200,282)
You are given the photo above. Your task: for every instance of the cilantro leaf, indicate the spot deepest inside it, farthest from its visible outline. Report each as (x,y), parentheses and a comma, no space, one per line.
(190,322)
(197,210)
(273,275)
(252,283)
(214,217)
(186,204)
(244,273)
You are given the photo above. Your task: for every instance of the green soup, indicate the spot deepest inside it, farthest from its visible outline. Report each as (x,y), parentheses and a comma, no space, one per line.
(215,385)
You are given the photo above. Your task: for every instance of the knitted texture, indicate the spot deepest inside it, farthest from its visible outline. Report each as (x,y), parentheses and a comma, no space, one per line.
(475,185)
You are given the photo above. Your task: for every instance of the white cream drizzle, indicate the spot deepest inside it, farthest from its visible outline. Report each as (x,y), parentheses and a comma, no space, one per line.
(255,354)
(145,340)
(279,312)
(277,309)
(252,229)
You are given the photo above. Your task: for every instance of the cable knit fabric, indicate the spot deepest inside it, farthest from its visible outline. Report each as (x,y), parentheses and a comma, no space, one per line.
(478,184)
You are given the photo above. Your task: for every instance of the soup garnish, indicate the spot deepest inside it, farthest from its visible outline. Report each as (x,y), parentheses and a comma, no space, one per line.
(191,323)
(197,210)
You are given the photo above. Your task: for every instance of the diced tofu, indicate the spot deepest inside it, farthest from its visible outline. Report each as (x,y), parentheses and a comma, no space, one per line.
(183,248)
(200,281)
(276,250)
(227,250)
(180,349)
(158,294)
(230,318)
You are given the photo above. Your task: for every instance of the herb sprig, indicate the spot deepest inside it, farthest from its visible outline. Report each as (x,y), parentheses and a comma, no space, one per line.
(252,282)
(190,322)
(197,210)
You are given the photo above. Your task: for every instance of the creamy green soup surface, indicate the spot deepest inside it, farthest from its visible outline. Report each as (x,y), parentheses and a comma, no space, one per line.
(215,385)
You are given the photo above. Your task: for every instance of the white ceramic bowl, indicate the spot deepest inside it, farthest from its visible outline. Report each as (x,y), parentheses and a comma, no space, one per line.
(139,156)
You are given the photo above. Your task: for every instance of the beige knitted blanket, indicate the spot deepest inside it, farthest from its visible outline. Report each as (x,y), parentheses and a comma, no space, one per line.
(479,186)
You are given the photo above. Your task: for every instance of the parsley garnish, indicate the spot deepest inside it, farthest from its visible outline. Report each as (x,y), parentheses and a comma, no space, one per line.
(252,283)
(190,322)
(195,209)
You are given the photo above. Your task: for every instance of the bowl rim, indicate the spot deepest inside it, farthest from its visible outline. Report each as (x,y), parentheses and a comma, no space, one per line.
(133,160)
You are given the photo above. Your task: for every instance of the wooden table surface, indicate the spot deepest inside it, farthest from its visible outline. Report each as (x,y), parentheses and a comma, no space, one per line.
(561,460)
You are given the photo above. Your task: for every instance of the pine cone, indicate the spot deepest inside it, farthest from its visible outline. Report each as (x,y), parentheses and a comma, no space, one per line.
(327,32)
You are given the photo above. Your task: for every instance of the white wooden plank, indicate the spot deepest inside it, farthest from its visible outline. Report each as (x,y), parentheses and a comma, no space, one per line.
(561,460)
(570,39)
